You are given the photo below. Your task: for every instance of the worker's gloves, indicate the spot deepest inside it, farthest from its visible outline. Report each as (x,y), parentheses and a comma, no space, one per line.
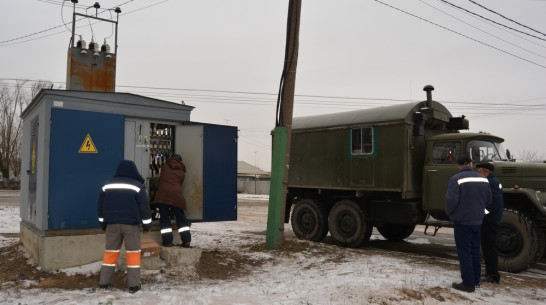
(103,226)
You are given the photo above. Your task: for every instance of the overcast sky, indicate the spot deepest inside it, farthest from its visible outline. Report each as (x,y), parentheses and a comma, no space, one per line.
(225,57)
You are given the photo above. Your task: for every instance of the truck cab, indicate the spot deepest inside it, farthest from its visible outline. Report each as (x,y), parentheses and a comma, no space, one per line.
(520,241)
(440,163)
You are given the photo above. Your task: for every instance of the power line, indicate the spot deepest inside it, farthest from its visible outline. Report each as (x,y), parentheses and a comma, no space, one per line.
(504,29)
(33,34)
(460,34)
(476,28)
(490,20)
(5,42)
(485,8)
(254,142)
(253,98)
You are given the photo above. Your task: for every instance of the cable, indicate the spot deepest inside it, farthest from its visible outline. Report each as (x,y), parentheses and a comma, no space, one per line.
(36,33)
(470,25)
(317,99)
(335,102)
(283,74)
(62,17)
(485,8)
(460,34)
(480,16)
(52,28)
(188,89)
(254,142)
(287,63)
(504,29)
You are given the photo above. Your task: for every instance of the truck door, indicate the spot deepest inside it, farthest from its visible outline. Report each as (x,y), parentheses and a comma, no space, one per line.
(440,165)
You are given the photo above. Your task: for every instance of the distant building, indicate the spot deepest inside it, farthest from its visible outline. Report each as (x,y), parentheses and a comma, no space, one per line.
(251,179)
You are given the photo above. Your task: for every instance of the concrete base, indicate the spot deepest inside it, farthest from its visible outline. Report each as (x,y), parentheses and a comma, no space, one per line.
(57,252)
(175,257)
(146,263)
(52,251)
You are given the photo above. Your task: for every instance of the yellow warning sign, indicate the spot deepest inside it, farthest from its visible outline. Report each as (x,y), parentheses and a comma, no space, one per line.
(88,146)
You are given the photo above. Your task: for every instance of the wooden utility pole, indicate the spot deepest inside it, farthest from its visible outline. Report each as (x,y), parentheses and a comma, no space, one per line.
(283,131)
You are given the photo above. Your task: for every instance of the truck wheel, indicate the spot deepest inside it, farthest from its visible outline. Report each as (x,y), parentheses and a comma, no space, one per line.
(520,242)
(395,232)
(309,220)
(347,224)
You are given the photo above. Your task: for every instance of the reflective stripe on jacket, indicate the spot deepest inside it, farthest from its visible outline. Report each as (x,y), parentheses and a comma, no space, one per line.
(123,199)
(468,194)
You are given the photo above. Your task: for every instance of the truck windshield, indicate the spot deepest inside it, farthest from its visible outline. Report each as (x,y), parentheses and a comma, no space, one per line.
(482,151)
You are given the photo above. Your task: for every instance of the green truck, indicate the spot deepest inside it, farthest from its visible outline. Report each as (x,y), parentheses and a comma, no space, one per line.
(389,167)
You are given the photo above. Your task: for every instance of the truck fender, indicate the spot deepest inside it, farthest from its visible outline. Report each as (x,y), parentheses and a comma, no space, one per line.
(536,198)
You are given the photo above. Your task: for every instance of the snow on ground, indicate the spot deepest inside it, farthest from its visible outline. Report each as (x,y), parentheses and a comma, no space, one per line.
(9,219)
(357,276)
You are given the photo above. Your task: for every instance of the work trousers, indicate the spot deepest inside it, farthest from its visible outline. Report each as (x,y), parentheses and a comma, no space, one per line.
(467,240)
(182,223)
(489,249)
(115,235)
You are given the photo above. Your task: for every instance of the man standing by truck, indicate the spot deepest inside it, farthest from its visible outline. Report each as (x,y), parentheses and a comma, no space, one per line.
(468,195)
(490,225)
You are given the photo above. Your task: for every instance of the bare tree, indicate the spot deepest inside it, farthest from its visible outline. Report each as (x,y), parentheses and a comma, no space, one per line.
(531,156)
(13,100)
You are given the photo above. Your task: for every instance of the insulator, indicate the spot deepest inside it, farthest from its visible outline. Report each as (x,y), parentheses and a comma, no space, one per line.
(81,43)
(93,46)
(105,47)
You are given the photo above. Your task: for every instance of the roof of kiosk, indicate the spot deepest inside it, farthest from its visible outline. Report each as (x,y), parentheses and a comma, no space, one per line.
(110,102)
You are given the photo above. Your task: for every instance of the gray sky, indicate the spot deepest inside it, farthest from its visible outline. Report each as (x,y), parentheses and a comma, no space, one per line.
(225,57)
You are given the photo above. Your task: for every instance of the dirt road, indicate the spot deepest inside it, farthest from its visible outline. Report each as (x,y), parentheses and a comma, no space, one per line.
(442,245)
(9,197)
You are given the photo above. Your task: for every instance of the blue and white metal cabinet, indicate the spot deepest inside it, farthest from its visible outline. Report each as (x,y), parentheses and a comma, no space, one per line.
(73,141)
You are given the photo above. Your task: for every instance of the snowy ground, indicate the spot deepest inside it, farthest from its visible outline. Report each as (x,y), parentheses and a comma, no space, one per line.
(320,274)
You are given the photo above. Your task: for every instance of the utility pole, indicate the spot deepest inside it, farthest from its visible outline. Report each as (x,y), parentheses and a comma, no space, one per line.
(283,131)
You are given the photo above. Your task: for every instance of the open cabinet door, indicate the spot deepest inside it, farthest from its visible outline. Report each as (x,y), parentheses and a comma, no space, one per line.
(210,155)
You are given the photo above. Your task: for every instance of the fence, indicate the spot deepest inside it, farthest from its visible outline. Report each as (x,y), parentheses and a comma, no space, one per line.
(253,187)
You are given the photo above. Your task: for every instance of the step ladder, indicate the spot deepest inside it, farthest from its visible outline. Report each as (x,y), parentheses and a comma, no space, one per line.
(437,224)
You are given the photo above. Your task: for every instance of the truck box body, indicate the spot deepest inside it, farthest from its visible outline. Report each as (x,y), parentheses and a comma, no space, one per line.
(325,151)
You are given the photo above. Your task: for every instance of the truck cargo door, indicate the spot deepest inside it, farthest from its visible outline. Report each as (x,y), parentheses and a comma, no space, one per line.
(210,155)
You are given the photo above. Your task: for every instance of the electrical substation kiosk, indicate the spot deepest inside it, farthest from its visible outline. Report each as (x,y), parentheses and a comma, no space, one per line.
(72,144)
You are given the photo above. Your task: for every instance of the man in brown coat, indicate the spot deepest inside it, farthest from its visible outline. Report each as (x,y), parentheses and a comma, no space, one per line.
(169,198)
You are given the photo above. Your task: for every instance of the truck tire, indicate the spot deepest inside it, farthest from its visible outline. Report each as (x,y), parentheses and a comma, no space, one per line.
(520,242)
(395,232)
(347,224)
(309,220)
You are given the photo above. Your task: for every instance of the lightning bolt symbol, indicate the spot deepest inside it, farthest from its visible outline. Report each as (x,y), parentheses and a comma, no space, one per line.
(88,145)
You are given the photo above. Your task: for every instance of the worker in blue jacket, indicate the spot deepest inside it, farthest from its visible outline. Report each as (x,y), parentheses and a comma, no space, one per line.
(123,205)
(490,225)
(468,195)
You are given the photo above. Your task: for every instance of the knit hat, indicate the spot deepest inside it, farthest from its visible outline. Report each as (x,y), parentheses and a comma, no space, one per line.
(463,160)
(177,157)
(486,165)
